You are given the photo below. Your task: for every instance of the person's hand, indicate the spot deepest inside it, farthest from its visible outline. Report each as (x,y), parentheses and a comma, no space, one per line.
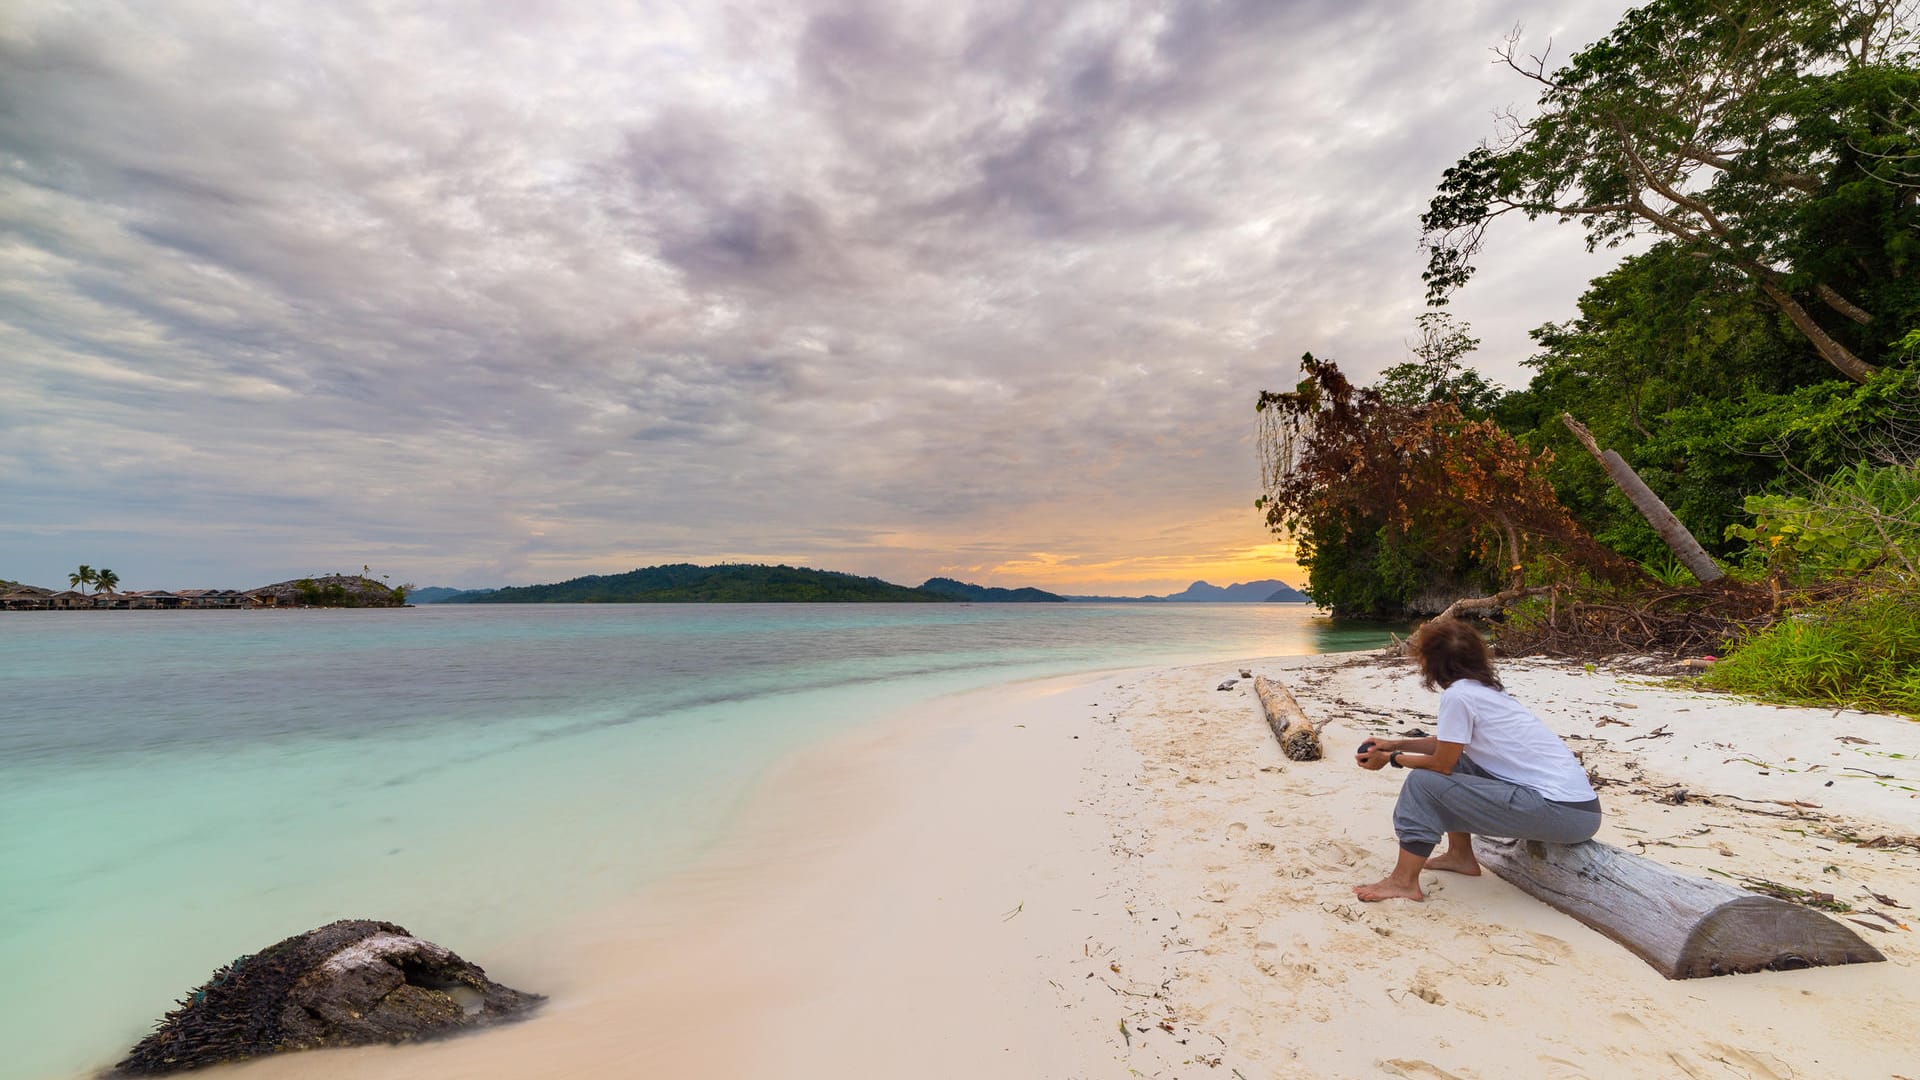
(1372,758)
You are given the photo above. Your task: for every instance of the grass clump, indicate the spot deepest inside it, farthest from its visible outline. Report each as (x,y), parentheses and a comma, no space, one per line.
(1862,651)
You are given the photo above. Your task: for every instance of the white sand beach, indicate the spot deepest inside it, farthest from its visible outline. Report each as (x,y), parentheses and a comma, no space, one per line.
(1121,876)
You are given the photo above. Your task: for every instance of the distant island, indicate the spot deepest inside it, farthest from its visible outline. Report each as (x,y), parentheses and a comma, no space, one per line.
(745,583)
(960,590)
(321,590)
(685,583)
(1250,592)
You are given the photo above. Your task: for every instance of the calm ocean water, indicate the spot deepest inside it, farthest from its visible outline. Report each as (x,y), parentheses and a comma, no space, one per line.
(177,788)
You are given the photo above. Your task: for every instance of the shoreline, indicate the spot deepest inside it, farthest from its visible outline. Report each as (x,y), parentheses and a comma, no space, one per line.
(1092,874)
(782,927)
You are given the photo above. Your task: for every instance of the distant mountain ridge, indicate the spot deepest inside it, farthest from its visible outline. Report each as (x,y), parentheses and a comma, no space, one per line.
(986,594)
(1200,592)
(440,594)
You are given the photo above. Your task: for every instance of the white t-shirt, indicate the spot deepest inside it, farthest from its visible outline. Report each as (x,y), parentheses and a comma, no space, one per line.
(1505,739)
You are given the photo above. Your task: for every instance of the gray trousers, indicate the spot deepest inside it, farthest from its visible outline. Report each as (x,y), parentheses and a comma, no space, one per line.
(1472,800)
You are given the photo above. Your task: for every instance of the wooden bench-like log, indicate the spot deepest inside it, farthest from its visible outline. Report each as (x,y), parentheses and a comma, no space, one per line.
(1686,927)
(1299,738)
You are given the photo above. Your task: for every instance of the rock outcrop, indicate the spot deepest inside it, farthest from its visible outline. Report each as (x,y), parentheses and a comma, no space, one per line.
(329,590)
(348,983)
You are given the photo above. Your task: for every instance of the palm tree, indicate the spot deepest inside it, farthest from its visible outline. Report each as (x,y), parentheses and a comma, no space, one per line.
(104,580)
(82,577)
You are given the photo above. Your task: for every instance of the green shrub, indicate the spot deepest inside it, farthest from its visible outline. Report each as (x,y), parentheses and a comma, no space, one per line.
(1670,571)
(1862,652)
(1862,516)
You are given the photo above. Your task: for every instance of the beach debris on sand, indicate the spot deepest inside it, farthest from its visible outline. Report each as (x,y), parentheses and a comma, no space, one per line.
(1299,737)
(348,983)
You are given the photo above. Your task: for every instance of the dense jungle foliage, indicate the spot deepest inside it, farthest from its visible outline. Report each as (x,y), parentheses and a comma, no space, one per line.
(1755,365)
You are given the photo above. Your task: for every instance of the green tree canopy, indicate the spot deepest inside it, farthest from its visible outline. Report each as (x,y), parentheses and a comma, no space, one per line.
(1438,370)
(1774,139)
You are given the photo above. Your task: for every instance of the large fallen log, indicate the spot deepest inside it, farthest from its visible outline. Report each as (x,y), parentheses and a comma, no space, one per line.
(1299,738)
(1686,927)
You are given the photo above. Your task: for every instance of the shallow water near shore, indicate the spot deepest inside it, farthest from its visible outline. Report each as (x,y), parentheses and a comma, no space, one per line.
(178,788)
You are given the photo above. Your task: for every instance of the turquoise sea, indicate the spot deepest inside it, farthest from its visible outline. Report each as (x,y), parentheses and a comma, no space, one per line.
(178,788)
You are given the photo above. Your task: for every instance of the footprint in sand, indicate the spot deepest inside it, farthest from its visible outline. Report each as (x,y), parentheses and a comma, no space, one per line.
(1339,853)
(1562,1069)
(1346,912)
(1422,987)
(1236,830)
(1266,958)
(1758,1066)
(1480,972)
(1415,1068)
(1538,948)
(1217,892)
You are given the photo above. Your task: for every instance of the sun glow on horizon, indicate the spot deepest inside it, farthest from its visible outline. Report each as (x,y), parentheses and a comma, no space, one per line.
(1147,574)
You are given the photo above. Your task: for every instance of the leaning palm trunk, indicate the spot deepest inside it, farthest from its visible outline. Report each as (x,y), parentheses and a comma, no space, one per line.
(1671,531)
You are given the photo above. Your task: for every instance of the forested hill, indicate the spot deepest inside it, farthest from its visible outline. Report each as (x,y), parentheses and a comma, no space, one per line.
(440,594)
(687,583)
(985,594)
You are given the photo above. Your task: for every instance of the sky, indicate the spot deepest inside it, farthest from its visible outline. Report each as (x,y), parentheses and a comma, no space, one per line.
(488,293)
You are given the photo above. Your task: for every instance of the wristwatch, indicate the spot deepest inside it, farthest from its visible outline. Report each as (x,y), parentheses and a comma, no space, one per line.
(1393,759)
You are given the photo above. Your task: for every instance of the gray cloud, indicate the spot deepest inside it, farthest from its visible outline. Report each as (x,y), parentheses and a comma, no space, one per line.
(508,292)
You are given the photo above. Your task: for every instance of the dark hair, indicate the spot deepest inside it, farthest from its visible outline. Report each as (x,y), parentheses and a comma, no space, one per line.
(1449,650)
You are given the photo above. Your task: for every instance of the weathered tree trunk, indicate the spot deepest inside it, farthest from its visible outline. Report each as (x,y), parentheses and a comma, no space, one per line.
(1686,927)
(1299,738)
(1830,350)
(1671,531)
(1842,305)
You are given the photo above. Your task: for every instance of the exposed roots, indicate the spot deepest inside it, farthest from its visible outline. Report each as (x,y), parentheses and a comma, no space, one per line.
(1675,622)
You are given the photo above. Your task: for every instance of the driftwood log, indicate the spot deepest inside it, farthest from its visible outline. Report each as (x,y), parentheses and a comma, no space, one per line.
(1299,738)
(1484,606)
(1686,927)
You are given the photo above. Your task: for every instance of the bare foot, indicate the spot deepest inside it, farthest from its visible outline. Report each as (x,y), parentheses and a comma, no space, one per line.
(1388,889)
(1455,862)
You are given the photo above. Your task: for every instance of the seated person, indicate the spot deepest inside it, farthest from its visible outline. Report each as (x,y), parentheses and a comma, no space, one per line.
(1491,768)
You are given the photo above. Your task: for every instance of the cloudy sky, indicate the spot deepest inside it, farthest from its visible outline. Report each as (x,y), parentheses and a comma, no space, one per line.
(482,293)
